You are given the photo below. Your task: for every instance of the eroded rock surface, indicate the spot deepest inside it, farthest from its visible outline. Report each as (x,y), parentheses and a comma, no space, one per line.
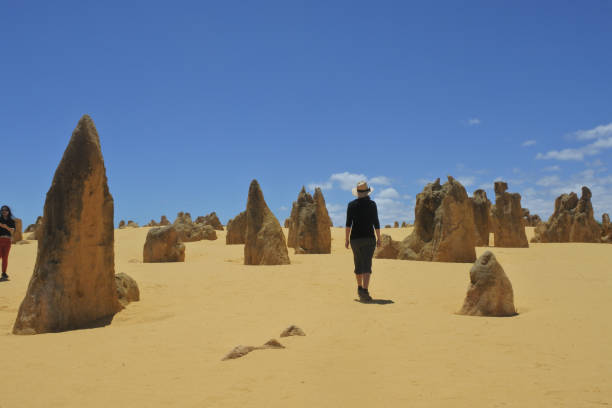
(292,330)
(236,230)
(443,226)
(210,219)
(310,225)
(265,242)
(73,284)
(241,351)
(18,233)
(490,291)
(572,221)
(127,289)
(482,208)
(162,245)
(389,249)
(507,219)
(188,231)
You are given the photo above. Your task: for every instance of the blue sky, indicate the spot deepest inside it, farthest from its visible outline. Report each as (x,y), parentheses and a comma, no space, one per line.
(192,100)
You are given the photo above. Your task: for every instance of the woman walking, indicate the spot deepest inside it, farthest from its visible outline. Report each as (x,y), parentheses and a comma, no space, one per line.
(361,224)
(7,227)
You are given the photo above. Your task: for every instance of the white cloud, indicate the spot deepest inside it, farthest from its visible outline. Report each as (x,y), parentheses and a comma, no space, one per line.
(603,140)
(473,121)
(467,180)
(387,193)
(578,153)
(548,181)
(323,186)
(540,200)
(283,208)
(595,133)
(347,180)
(391,210)
(528,143)
(552,168)
(380,180)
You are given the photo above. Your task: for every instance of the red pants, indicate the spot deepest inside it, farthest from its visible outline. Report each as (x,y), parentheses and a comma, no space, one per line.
(5,247)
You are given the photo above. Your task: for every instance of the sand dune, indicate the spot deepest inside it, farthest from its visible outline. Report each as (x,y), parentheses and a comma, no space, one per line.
(166,350)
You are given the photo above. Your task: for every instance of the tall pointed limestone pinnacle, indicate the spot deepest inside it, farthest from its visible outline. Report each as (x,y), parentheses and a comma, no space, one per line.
(265,241)
(73,284)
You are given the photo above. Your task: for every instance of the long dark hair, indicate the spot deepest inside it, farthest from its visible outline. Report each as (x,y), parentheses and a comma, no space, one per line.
(10,214)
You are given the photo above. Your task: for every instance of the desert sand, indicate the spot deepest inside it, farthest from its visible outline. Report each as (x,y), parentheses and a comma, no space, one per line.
(166,350)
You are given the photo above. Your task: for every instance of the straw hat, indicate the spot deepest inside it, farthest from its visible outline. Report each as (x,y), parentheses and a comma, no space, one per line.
(362,187)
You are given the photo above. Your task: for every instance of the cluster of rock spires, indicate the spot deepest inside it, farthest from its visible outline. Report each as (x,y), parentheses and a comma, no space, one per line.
(130,224)
(189,231)
(162,222)
(67,291)
(309,224)
(444,228)
(530,220)
(573,221)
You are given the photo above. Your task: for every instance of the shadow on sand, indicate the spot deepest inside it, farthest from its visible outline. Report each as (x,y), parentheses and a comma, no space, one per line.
(376,302)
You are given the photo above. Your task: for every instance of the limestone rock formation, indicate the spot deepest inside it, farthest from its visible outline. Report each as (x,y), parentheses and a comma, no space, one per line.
(310,227)
(73,284)
(482,207)
(122,224)
(236,230)
(210,219)
(572,221)
(287,220)
(189,232)
(292,330)
(164,221)
(241,351)
(443,225)
(490,291)
(132,224)
(265,242)
(162,245)
(152,223)
(388,226)
(127,289)
(507,214)
(389,249)
(530,220)
(404,225)
(606,228)
(33,227)
(17,234)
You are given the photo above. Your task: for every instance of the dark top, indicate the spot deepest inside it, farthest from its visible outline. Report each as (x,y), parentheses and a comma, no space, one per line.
(362,216)
(3,231)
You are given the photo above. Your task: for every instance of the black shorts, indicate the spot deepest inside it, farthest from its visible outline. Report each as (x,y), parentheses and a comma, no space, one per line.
(363,251)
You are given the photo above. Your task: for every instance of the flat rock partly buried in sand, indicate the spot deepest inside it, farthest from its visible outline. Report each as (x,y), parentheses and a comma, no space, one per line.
(292,331)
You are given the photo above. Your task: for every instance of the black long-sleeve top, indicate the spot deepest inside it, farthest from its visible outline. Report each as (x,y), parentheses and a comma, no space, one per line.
(9,223)
(362,216)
